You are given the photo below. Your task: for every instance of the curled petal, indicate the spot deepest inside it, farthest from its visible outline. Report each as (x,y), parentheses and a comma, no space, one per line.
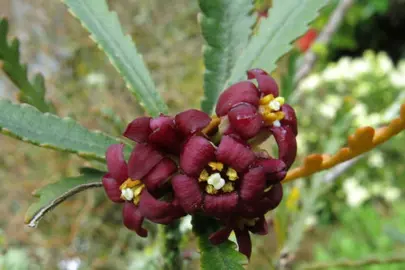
(275,170)
(290,119)
(143,158)
(133,219)
(117,166)
(267,85)
(166,137)
(220,236)
(191,121)
(252,185)
(245,120)
(261,227)
(272,198)
(162,120)
(112,188)
(234,154)
(239,92)
(187,192)
(221,205)
(287,144)
(244,242)
(197,152)
(160,174)
(154,209)
(138,130)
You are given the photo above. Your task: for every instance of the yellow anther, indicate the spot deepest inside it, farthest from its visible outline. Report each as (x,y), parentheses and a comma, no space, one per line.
(232,174)
(268,189)
(266,99)
(279,115)
(210,189)
(136,200)
(216,166)
(280,100)
(138,190)
(129,183)
(228,187)
(203,176)
(132,189)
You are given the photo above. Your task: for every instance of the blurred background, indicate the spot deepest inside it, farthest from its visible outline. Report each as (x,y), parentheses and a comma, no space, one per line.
(353,213)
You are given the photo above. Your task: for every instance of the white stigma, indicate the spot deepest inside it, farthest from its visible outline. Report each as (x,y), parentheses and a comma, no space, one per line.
(274,105)
(216,181)
(277,123)
(127,193)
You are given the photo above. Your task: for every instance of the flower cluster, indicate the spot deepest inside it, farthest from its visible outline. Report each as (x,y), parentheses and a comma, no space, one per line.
(196,164)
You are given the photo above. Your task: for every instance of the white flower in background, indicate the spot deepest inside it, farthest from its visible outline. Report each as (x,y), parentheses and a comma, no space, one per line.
(327,110)
(397,79)
(384,62)
(311,221)
(311,83)
(185,224)
(391,194)
(70,264)
(356,194)
(331,74)
(376,160)
(360,66)
(331,104)
(96,79)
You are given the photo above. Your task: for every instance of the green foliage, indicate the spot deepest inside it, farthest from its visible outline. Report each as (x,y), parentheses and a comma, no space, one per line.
(106,31)
(287,20)
(225,25)
(26,123)
(53,194)
(32,92)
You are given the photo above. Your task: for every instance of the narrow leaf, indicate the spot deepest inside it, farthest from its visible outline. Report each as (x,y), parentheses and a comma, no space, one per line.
(225,25)
(25,122)
(105,29)
(31,92)
(53,194)
(287,20)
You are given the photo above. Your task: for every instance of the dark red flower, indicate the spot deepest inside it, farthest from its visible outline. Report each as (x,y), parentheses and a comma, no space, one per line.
(135,184)
(218,180)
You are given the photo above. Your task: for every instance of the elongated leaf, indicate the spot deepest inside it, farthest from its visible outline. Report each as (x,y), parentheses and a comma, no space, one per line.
(25,122)
(31,91)
(53,194)
(105,29)
(225,25)
(287,20)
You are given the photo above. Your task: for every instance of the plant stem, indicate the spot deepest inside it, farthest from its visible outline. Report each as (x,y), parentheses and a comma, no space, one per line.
(171,236)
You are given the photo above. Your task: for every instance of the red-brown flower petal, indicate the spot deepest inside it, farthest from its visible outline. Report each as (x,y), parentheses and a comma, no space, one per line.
(133,219)
(166,137)
(272,198)
(234,154)
(261,227)
(290,119)
(244,242)
(138,130)
(245,120)
(275,170)
(287,144)
(112,188)
(159,174)
(154,209)
(117,167)
(222,205)
(197,152)
(187,192)
(267,85)
(220,236)
(252,184)
(143,158)
(239,92)
(191,121)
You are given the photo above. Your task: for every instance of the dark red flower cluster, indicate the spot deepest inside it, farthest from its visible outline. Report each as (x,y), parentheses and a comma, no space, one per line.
(196,164)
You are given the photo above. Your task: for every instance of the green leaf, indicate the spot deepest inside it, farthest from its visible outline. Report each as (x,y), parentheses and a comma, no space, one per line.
(216,257)
(31,92)
(106,31)
(287,20)
(25,122)
(53,194)
(226,26)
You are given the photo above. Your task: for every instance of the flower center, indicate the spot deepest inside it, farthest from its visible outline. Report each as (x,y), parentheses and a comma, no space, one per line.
(217,177)
(270,109)
(131,190)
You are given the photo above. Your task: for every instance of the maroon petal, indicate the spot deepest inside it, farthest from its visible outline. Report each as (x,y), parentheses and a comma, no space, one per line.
(290,119)
(138,130)
(267,85)
(151,208)
(272,198)
(261,227)
(112,188)
(252,185)
(239,92)
(220,236)
(274,169)
(187,192)
(234,154)
(244,242)
(166,137)
(192,121)
(197,152)
(159,174)
(287,144)
(245,120)
(221,205)
(133,219)
(117,167)
(143,158)
(161,120)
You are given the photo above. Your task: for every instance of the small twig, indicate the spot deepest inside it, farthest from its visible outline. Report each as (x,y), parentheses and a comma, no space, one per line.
(324,38)
(360,263)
